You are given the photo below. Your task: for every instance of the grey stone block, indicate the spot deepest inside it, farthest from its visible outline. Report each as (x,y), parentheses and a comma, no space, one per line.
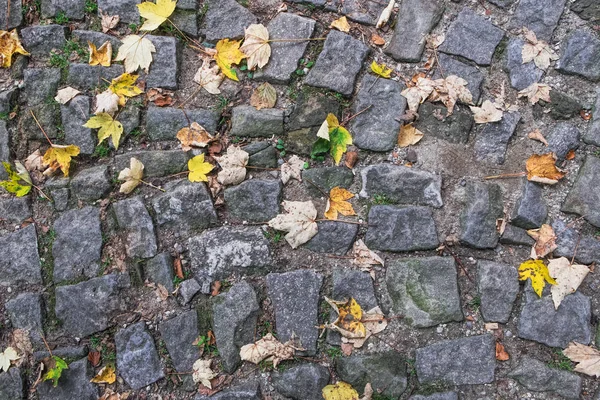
(498,286)
(156,163)
(470,73)
(40,85)
(385,371)
(455,128)
(302,382)
(126,9)
(179,334)
(538,377)
(74,384)
(72,9)
(164,70)
(14,18)
(19,259)
(137,359)
(492,141)
(333,238)
(163,123)
(133,218)
(540,16)
(225,19)
(91,184)
(483,206)
(521,75)
(530,211)
(74,115)
(15,209)
(325,179)
(88,77)
(250,122)
(581,200)
(39,40)
(255,200)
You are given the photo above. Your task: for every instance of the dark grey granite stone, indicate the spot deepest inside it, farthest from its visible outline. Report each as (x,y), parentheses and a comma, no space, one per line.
(159,269)
(386,372)
(530,210)
(302,382)
(137,359)
(563,138)
(164,70)
(498,286)
(72,9)
(88,77)
(156,162)
(11,19)
(581,200)
(541,16)
(433,120)
(538,377)
(15,209)
(179,334)
(255,200)
(134,220)
(91,184)
(516,236)
(19,259)
(521,75)
(591,136)
(568,239)
(74,384)
(163,123)
(225,19)
(40,85)
(581,55)
(73,115)
(333,238)
(126,9)
(325,179)
(26,312)
(11,385)
(39,40)
(492,141)
(250,122)
(483,206)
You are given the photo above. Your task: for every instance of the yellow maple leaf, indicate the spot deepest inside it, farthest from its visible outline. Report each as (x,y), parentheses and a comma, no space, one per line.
(349,318)
(59,157)
(381,69)
(124,86)
(198,169)
(256,46)
(337,203)
(106,375)
(537,271)
(228,53)
(102,55)
(108,127)
(339,391)
(9,45)
(156,14)
(136,52)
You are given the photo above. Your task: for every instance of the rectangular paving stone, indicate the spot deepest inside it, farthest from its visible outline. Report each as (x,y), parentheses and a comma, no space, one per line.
(179,334)
(11,385)
(363,11)
(8,98)
(16,14)
(126,9)
(15,209)
(521,75)
(539,377)
(581,55)
(156,163)
(285,55)
(483,206)
(39,40)
(225,19)
(97,38)
(540,16)
(163,123)
(455,128)
(338,64)
(73,9)
(591,136)
(48,115)
(40,85)
(164,70)
(568,239)
(74,384)
(250,122)
(133,218)
(491,143)
(530,210)
(74,115)
(333,238)
(498,286)
(19,259)
(581,200)
(4,148)
(88,77)
(186,21)
(26,312)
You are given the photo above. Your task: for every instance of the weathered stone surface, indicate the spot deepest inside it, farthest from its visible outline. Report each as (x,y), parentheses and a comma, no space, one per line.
(97,38)
(250,122)
(217,252)
(188,289)
(363,11)
(133,218)
(255,200)
(563,138)
(234,322)
(26,312)
(338,64)
(11,18)
(374,129)
(78,244)
(424,290)
(303,382)
(399,229)
(39,40)
(498,286)
(225,19)
(40,85)
(586,9)
(568,239)
(137,360)
(492,141)
(471,74)
(19,259)
(156,163)
(74,384)
(455,128)
(301,141)
(8,98)
(164,70)
(91,184)
(483,206)
(126,9)
(85,308)
(416,19)
(88,77)
(73,9)
(14,209)
(402,185)
(295,298)
(465,361)
(66,352)
(11,385)
(502,4)
(537,376)
(385,371)
(517,236)
(541,16)
(4,147)
(521,75)
(561,106)
(186,206)
(247,391)
(437,396)
(326,178)
(530,211)
(581,55)
(311,110)
(262,154)
(179,334)
(539,321)
(159,269)
(48,116)
(581,200)
(333,238)
(163,123)
(186,21)
(285,56)
(74,114)
(473,37)
(591,136)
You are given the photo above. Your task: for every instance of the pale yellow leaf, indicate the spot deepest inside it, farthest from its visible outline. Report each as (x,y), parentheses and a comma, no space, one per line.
(132,175)
(136,51)
(588,358)
(341,24)
(299,222)
(409,135)
(385,14)
(63,96)
(107,102)
(209,77)
(256,46)
(536,92)
(233,166)
(292,169)
(102,55)
(202,373)
(568,277)
(488,112)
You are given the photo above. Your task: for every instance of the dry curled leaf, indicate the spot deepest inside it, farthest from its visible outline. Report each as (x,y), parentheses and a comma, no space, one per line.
(102,55)
(10,44)
(337,203)
(363,256)
(351,159)
(209,78)
(537,51)
(233,166)
(536,92)
(385,14)
(64,95)
(132,176)
(488,112)
(409,135)
(349,318)
(536,134)
(341,24)
(59,157)
(542,168)
(106,375)
(501,354)
(256,46)
(568,277)
(270,349)
(586,357)
(292,169)
(202,373)
(545,241)
(377,40)
(94,358)
(107,102)
(449,91)
(194,136)
(537,272)
(109,22)
(7,357)
(299,222)
(264,96)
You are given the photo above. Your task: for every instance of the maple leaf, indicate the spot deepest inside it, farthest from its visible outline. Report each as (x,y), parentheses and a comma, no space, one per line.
(228,53)
(349,315)
(381,69)
(299,222)
(537,271)
(409,135)
(264,96)
(136,52)
(58,156)
(542,168)
(341,24)
(63,96)
(209,77)
(536,92)
(337,203)
(333,138)
(233,166)
(545,241)
(106,375)
(109,22)
(107,102)
(101,56)
(201,372)
(339,391)
(198,169)
(124,86)
(385,14)
(586,357)
(15,183)
(194,136)
(7,357)
(451,90)
(270,349)
(537,51)
(292,169)
(415,95)
(10,44)
(155,14)
(256,46)
(54,368)
(363,256)
(568,277)
(488,112)
(109,127)
(132,175)
(536,134)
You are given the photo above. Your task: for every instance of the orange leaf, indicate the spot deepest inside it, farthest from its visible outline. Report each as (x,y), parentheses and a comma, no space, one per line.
(177,268)
(377,40)
(216,288)
(337,203)
(94,358)
(501,354)
(570,155)
(542,169)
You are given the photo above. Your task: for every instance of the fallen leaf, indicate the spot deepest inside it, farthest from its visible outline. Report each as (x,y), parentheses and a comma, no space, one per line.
(586,357)
(15,183)
(256,46)
(102,55)
(537,51)
(209,78)
(299,222)
(109,22)
(228,53)
(292,169)
(136,52)
(54,368)
(568,277)
(409,135)
(109,394)
(339,139)
(347,349)
(586,115)
(364,257)
(94,358)
(349,315)
(107,102)
(217,384)
(449,91)
(106,375)
(160,97)
(270,349)
(536,134)
(124,86)
(198,169)
(132,175)
(488,112)
(538,273)
(7,357)
(368,392)
(491,326)
(381,70)
(177,267)
(330,122)
(570,155)
(162,292)
(351,159)
(155,13)
(59,157)
(339,391)
(337,203)
(201,372)
(21,342)
(10,44)
(385,14)
(264,96)
(536,92)
(194,136)
(215,288)
(108,127)
(542,168)
(377,40)
(545,241)
(34,162)
(435,40)
(341,24)
(63,96)
(501,354)
(233,166)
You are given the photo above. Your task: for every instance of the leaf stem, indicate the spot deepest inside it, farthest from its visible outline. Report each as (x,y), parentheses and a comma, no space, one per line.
(340,220)
(293,40)
(263,168)
(350,118)
(40,126)
(151,185)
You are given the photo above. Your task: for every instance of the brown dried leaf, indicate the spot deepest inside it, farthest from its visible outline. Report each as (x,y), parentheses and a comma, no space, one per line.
(178,268)
(545,241)
(351,159)
(501,354)
(542,168)
(109,22)
(94,358)
(264,96)
(194,136)
(377,40)
(409,135)
(537,135)
(216,288)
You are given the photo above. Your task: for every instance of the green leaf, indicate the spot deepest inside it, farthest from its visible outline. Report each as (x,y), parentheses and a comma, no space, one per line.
(321,146)
(14,183)
(340,138)
(55,369)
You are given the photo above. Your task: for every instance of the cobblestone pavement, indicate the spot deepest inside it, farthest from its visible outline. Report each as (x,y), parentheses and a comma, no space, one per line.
(85,271)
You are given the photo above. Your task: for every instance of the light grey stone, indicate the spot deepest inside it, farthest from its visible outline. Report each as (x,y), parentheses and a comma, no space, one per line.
(39,40)
(19,259)
(133,218)
(26,312)
(225,19)
(437,396)
(591,136)
(483,206)
(74,115)
(89,77)
(498,286)
(362,11)
(530,210)
(492,141)
(126,9)
(163,123)
(188,289)
(568,239)
(333,238)
(538,377)
(581,55)
(159,269)
(563,138)
(581,200)
(40,85)
(4,148)
(72,9)
(250,122)
(14,209)
(11,19)
(521,75)
(137,359)
(540,16)
(91,184)
(156,162)
(255,200)
(164,70)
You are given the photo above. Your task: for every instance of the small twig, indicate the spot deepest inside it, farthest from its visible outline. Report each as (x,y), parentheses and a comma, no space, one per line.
(179,373)
(339,220)
(373,84)
(46,343)
(40,126)
(460,263)
(502,176)
(576,247)
(151,185)
(293,40)
(350,118)
(437,61)
(316,187)
(340,257)
(263,168)
(177,174)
